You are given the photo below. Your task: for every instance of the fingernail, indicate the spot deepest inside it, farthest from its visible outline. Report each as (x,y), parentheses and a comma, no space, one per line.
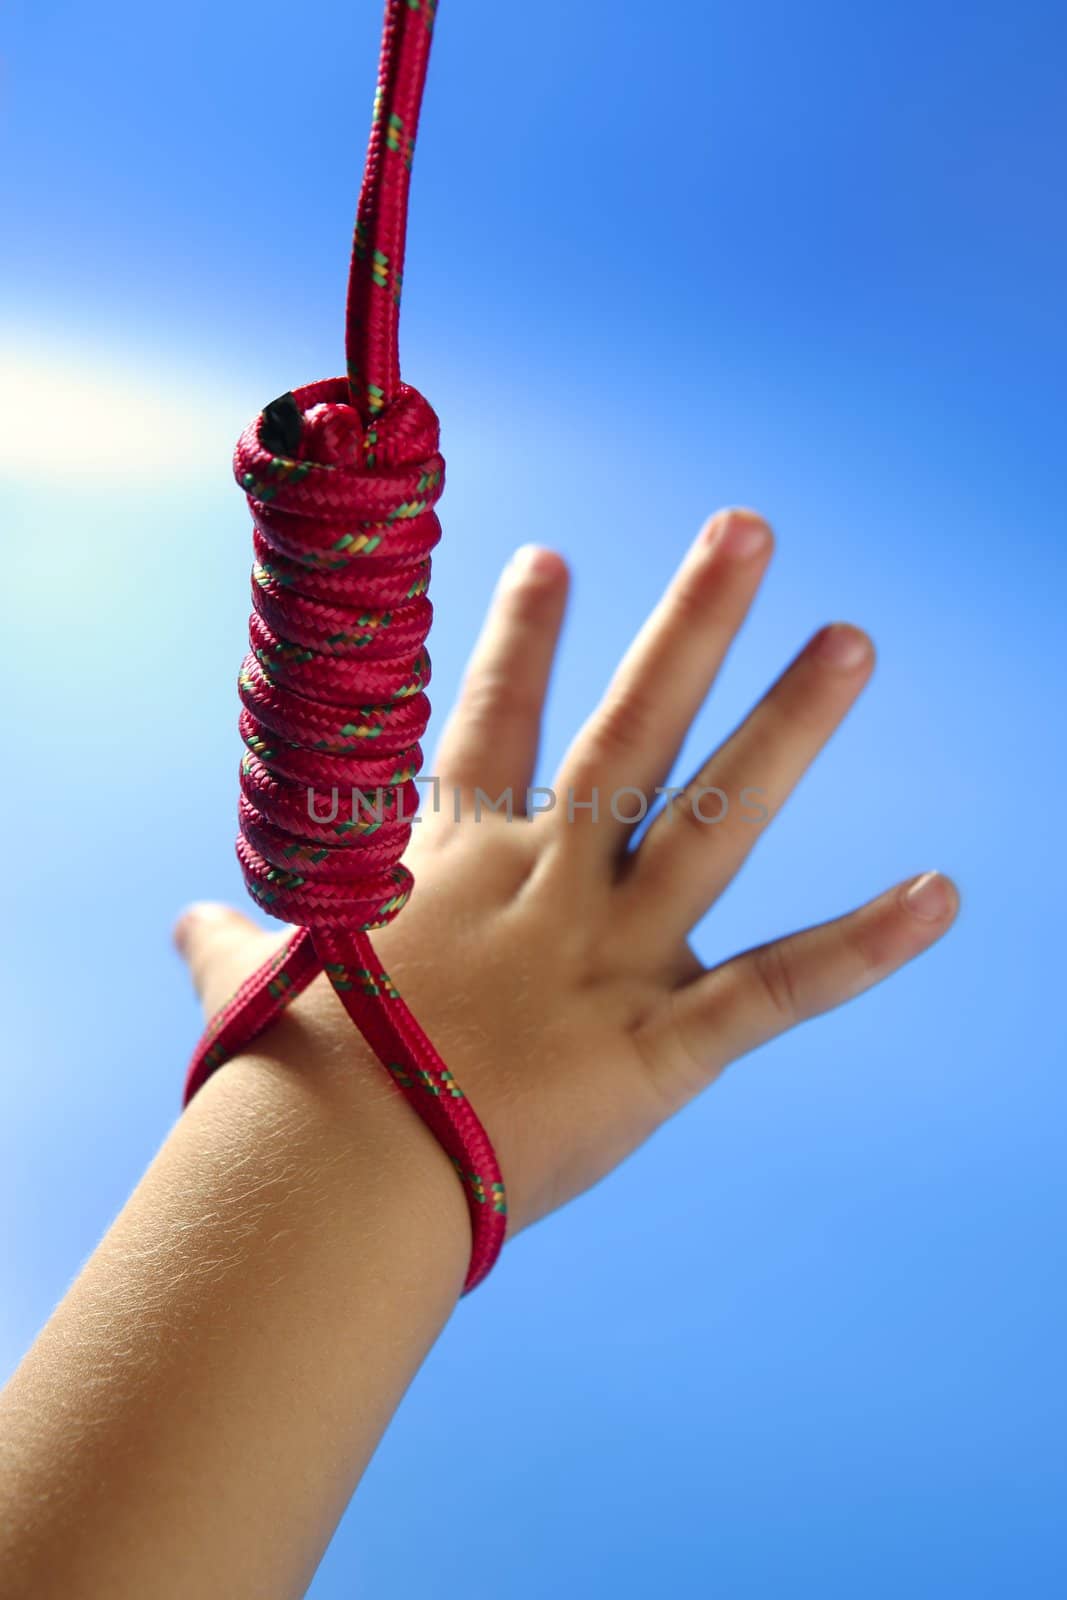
(929,897)
(742,535)
(842,646)
(198,912)
(531,560)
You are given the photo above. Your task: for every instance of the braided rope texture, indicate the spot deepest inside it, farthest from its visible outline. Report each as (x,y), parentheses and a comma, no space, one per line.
(342,478)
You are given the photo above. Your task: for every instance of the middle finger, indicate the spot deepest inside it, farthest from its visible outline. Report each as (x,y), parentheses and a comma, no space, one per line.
(632,739)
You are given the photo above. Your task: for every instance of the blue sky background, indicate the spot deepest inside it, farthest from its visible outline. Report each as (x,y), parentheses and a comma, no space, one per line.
(809,1342)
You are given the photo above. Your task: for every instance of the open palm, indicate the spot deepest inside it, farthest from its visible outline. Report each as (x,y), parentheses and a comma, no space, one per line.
(544,955)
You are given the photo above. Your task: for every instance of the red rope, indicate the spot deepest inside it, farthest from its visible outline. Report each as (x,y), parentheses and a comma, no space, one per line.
(342,478)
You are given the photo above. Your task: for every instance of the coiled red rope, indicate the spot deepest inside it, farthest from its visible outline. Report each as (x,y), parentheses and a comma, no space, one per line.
(342,478)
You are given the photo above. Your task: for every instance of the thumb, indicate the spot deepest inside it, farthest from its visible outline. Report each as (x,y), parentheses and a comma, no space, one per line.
(221,948)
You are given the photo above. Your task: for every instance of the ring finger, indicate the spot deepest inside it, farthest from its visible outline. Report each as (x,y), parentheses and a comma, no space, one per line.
(704,833)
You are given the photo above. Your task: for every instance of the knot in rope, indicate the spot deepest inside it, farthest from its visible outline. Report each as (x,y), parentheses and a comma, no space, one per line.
(342,478)
(333,686)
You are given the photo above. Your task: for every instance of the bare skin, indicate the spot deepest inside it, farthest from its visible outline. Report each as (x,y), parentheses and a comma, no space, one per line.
(200,1407)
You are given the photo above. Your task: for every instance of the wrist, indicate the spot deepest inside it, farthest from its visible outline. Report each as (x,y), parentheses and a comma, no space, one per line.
(258,1308)
(330,1110)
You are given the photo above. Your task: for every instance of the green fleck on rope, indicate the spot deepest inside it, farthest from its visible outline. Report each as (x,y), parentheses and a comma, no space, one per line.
(410,508)
(291,471)
(389,907)
(260,491)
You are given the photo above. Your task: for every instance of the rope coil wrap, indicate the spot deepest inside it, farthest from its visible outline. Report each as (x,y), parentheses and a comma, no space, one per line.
(333,687)
(342,478)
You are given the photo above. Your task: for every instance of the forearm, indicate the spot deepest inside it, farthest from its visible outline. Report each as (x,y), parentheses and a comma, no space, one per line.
(199,1409)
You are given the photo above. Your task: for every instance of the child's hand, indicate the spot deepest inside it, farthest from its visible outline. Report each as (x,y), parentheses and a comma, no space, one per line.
(230,1355)
(547,962)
